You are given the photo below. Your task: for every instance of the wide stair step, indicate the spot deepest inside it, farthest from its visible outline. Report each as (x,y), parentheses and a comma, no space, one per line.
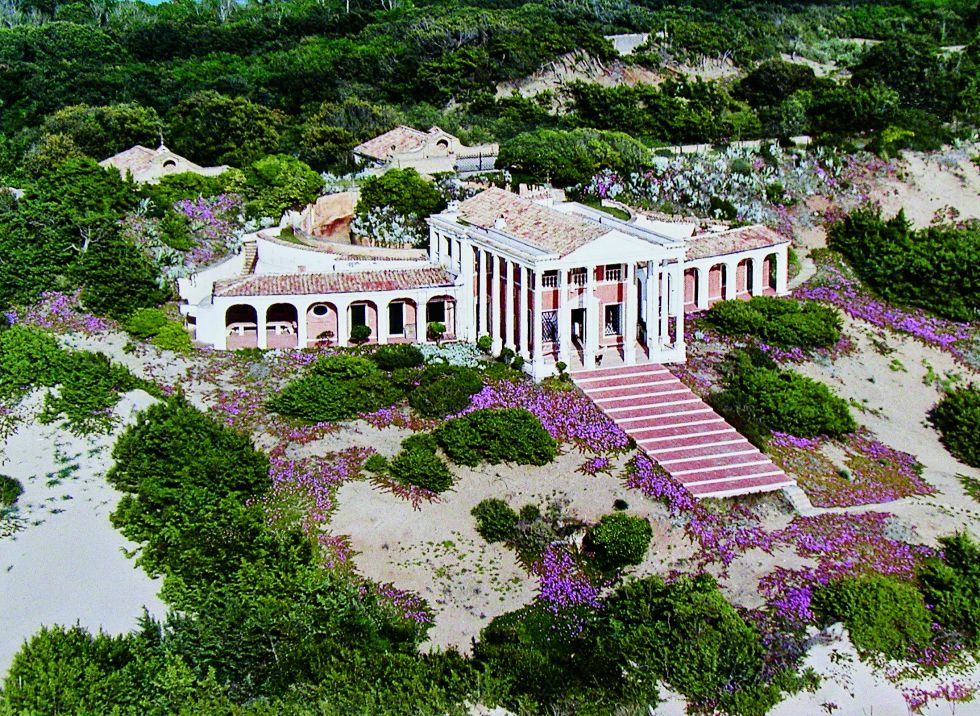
(678,430)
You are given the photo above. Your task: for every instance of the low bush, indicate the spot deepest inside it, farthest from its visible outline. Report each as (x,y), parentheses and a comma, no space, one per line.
(336,388)
(144,323)
(420,441)
(376,463)
(779,321)
(360,334)
(172,336)
(28,358)
(87,392)
(687,634)
(391,357)
(497,435)
(10,490)
(495,520)
(415,465)
(444,389)
(883,615)
(951,586)
(957,417)
(618,541)
(783,400)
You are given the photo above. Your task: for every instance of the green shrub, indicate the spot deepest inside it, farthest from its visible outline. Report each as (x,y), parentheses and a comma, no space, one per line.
(10,490)
(484,343)
(783,400)
(336,388)
(87,392)
(928,267)
(779,321)
(497,435)
(28,358)
(495,520)
(421,441)
(394,356)
(618,541)
(360,334)
(444,389)
(687,634)
(882,614)
(417,466)
(376,463)
(172,336)
(957,418)
(951,585)
(145,323)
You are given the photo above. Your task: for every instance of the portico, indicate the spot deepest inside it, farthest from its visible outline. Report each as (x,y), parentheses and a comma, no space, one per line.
(570,285)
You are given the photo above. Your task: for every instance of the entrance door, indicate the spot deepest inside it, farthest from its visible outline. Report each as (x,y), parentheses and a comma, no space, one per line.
(578,326)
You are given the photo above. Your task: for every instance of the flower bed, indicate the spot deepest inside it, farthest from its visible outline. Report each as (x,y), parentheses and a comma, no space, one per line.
(567,415)
(834,284)
(877,473)
(60,312)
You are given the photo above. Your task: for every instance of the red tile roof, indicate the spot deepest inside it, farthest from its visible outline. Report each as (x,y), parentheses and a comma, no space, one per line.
(733,241)
(400,139)
(346,282)
(538,225)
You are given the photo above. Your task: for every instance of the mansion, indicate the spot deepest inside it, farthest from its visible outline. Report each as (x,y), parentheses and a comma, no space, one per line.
(551,280)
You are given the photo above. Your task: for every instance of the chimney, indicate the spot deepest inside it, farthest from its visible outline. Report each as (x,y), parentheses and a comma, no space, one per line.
(500,224)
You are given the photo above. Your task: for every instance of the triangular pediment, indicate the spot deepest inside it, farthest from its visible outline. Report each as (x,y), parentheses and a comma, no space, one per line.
(614,247)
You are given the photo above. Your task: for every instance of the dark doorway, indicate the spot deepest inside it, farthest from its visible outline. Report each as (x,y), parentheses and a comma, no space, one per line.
(396,319)
(578,326)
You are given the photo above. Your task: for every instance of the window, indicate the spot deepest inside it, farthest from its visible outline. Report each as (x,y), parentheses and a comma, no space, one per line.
(613,319)
(549,326)
(435,312)
(358,315)
(320,309)
(579,276)
(396,319)
(613,272)
(550,279)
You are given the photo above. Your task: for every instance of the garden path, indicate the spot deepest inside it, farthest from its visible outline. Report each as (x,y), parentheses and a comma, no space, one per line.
(678,430)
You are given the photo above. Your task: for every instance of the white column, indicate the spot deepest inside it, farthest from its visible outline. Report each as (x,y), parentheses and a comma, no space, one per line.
(421,329)
(731,280)
(677,302)
(564,319)
(302,310)
(464,305)
(593,321)
(782,270)
(664,307)
(652,319)
(342,331)
(703,278)
(495,304)
(537,328)
(510,306)
(630,314)
(523,344)
(481,293)
(758,281)
(382,321)
(262,334)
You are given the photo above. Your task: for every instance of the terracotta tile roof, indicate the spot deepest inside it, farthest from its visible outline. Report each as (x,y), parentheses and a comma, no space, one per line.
(303,284)
(538,225)
(733,241)
(399,139)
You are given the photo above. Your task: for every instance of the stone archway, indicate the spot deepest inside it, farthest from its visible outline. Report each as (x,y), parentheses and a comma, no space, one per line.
(442,309)
(401,320)
(321,324)
(282,325)
(363,313)
(241,327)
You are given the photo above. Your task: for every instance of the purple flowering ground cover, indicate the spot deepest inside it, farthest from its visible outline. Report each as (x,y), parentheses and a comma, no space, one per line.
(875,472)
(835,284)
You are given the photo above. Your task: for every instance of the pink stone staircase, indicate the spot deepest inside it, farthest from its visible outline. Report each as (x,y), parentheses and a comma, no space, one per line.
(678,430)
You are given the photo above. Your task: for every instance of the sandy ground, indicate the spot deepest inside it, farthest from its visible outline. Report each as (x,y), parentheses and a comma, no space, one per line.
(68,564)
(928,184)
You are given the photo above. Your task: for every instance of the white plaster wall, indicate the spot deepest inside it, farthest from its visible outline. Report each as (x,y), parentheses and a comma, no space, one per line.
(198,287)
